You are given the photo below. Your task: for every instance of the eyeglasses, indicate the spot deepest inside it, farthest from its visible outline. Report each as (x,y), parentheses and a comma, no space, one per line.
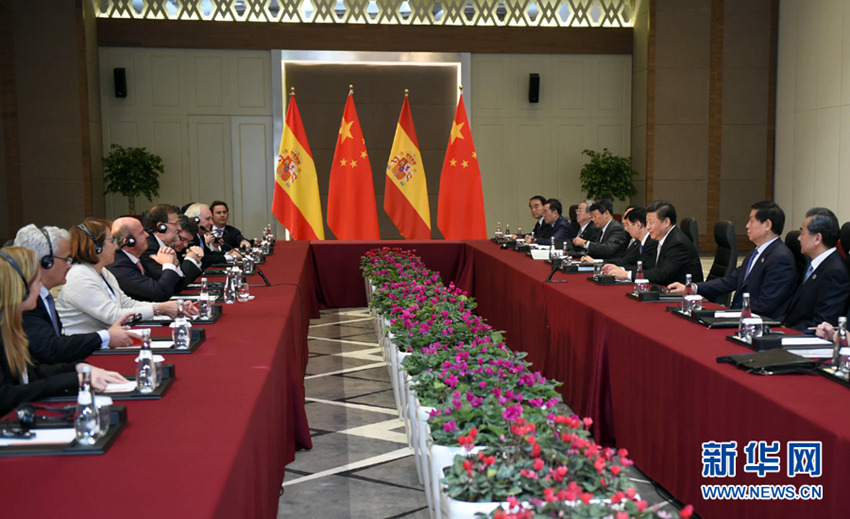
(68,260)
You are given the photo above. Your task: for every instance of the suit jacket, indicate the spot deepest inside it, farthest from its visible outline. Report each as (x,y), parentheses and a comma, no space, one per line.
(45,380)
(613,244)
(771,282)
(822,297)
(539,226)
(589,233)
(47,347)
(633,254)
(141,286)
(678,257)
(559,232)
(86,305)
(232,237)
(211,257)
(153,269)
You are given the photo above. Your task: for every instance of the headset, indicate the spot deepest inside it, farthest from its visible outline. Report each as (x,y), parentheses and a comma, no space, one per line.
(28,415)
(130,241)
(98,245)
(14,264)
(160,227)
(47,261)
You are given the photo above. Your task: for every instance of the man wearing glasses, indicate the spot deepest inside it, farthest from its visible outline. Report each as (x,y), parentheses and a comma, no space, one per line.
(42,325)
(164,229)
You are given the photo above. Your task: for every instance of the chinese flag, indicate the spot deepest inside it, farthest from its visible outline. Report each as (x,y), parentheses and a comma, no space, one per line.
(406,193)
(296,190)
(352,213)
(460,210)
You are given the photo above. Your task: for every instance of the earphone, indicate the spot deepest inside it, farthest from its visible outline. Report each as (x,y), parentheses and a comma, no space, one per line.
(129,242)
(47,261)
(28,415)
(98,245)
(14,264)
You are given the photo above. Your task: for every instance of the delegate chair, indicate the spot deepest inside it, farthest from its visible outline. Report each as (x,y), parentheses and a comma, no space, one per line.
(801,261)
(691,229)
(844,242)
(725,258)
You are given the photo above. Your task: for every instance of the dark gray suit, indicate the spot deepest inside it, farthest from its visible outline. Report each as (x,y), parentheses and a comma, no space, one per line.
(822,297)
(612,244)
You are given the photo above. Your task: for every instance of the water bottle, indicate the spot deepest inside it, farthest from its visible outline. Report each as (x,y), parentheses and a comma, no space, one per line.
(841,361)
(248,264)
(230,288)
(746,313)
(271,234)
(689,291)
(499,233)
(266,246)
(145,367)
(181,328)
(204,303)
(518,232)
(507,229)
(568,260)
(87,418)
(638,275)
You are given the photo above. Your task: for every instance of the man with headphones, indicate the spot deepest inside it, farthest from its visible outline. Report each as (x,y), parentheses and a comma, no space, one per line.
(213,254)
(229,235)
(42,325)
(132,241)
(163,227)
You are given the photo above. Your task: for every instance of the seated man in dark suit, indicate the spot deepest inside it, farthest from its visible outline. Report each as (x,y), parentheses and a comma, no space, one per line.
(132,240)
(535,205)
(213,253)
(611,240)
(642,248)
(229,235)
(42,324)
(559,229)
(163,226)
(822,296)
(676,254)
(587,231)
(767,273)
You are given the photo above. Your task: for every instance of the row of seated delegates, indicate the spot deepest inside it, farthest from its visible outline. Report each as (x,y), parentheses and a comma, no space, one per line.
(229,235)
(164,227)
(676,254)
(127,267)
(206,240)
(92,298)
(641,247)
(557,229)
(768,273)
(42,324)
(611,239)
(23,378)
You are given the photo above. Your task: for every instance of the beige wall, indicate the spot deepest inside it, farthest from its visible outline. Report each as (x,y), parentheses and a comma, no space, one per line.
(528,149)
(813,108)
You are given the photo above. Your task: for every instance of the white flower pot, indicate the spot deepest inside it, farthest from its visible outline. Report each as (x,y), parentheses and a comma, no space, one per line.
(440,457)
(452,509)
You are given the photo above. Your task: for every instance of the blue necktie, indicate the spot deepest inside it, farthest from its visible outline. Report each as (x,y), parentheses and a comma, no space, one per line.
(52,311)
(752,262)
(808,273)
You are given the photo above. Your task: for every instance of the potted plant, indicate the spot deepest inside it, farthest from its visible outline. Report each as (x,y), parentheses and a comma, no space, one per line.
(607,176)
(132,172)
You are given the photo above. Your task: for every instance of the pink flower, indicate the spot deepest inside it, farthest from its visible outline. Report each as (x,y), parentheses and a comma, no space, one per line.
(686,512)
(512,412)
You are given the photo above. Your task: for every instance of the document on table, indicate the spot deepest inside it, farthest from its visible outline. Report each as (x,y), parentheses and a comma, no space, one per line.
(43,437)
(126,387)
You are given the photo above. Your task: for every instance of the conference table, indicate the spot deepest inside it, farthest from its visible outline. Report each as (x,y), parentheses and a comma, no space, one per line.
(217,443)
(649,379)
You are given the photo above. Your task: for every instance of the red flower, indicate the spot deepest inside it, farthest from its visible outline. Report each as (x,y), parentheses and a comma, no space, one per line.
(686,512)
(641,505)
(538,464)
(549,495)
(586,497)
(631,493)
(615,469)
(616,498)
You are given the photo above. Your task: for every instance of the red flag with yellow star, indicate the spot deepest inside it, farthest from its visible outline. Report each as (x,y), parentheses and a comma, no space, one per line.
(460,209)
(352,212)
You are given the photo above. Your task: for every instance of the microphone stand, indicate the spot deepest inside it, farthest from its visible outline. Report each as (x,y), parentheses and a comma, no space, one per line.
(556,264)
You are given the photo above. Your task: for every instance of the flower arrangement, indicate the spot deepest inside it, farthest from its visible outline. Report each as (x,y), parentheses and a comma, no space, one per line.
(541,462)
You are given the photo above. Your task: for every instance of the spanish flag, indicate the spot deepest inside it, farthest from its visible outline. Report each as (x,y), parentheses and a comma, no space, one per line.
(406,193)
(296,190)
(460,210)
(352,212)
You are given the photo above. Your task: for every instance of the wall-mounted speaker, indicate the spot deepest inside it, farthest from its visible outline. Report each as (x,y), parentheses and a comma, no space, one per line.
(534,88)
(120,78)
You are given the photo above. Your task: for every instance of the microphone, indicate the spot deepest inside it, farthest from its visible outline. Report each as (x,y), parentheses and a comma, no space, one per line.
(556,264)
(262,275)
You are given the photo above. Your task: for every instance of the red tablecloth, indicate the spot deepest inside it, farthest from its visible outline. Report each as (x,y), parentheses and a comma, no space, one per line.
(217,444)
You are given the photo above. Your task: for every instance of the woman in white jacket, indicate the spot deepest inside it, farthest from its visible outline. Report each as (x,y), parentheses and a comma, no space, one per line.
(91,299)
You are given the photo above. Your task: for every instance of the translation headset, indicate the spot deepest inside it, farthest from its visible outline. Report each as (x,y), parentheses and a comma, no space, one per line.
(47,261)
(98,245)
(130,241)
(14,264)
(28,414)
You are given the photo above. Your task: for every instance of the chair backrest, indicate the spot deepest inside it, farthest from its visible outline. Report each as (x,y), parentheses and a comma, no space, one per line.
(573,220)
(845,238)
(726,256)
(691,229)
(792,241)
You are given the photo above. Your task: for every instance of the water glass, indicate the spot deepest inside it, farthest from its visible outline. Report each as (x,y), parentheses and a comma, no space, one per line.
(751,327)
(104,409)
(244,291)
(693,303)
(641,286)
(597,268)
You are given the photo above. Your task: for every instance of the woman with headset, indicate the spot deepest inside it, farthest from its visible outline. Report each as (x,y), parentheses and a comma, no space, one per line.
(91,299)
(21,378)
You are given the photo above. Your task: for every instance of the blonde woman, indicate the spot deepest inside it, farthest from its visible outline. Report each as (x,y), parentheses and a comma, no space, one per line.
(21,378)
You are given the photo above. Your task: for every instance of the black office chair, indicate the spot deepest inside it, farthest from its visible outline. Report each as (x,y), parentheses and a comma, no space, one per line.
(725,258)
(573,217)
(691,229)
(801,261)
(844,240)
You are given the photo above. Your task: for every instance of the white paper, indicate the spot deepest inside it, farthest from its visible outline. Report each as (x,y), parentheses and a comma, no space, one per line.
(540,254)
(43,437)
(158,345)
(193,297)
(805,341)
(818,353)
(120,388)
(727,314)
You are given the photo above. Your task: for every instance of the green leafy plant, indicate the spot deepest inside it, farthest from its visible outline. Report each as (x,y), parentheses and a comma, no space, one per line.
(132,172)
(607,176)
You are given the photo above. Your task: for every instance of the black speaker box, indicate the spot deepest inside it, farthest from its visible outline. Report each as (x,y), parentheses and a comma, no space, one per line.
(534,88)
(120,78)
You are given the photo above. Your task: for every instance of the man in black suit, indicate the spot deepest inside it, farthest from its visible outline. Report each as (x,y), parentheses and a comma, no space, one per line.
(213,253)
(676,254)
(587,231)
(767,273)
(127,267)
(611,240)
(822,296)
(229,235)
(42,325)
(535,205)
(559,229)
(163,226)
(642,247)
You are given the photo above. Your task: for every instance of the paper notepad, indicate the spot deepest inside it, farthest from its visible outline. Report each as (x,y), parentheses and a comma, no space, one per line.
(43,437)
